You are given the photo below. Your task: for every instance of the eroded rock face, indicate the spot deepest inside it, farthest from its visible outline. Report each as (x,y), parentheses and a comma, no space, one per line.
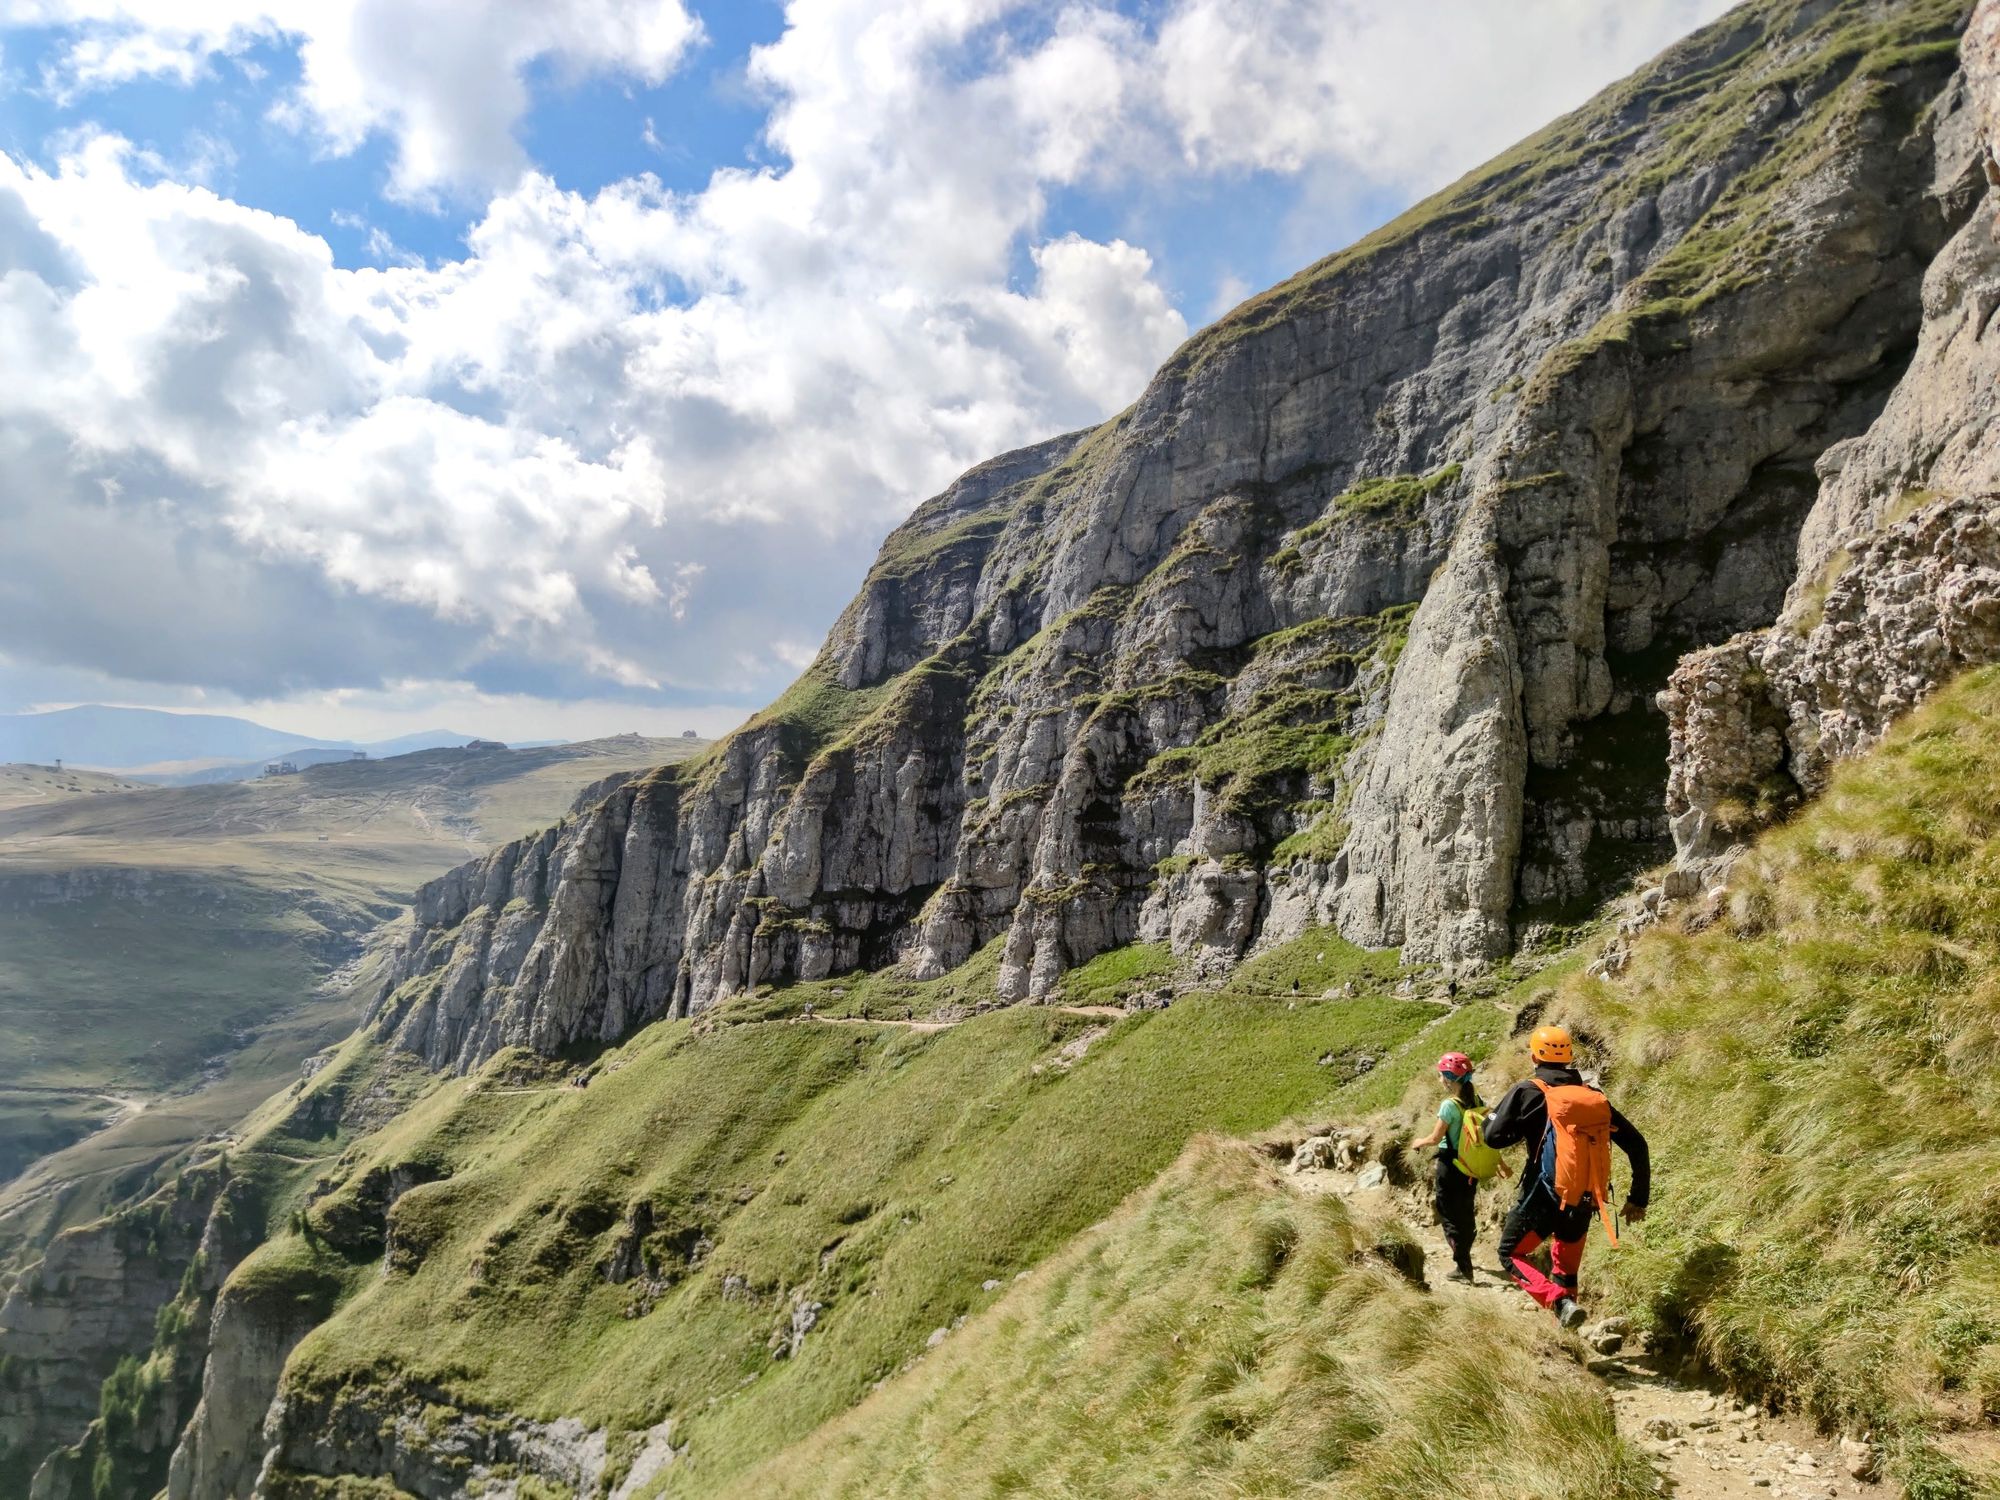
(1727,745)
(1762,719)
(1438,815)
(222,1449)
(417,1440)
(1362,575)
(1897,586)
(91,1300)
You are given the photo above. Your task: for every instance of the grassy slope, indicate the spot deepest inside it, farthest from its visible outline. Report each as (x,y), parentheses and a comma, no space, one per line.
(23,785)
(1840,1259)
(1221,1334)
(1815,1072)
(202,935)
(882,1172)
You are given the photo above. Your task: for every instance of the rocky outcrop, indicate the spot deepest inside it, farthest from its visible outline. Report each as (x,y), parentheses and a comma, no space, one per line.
(1760,721)
(91,1300)
(222,1447)
(1897,585)
(1357,615)
(416,1439)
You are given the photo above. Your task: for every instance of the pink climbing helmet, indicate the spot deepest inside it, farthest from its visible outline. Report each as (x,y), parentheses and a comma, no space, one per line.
(1455,1065)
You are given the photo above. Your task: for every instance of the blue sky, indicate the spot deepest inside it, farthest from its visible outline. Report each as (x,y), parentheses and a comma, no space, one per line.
(554,367)
(585,132)
(1207,233)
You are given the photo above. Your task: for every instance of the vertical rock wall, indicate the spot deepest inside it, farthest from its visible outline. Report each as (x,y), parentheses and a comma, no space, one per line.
(1897,582)
(1163,679)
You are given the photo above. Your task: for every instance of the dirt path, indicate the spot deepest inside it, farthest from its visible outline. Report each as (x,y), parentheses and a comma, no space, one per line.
(860,1021)
(1112,1011)
(1705,1445)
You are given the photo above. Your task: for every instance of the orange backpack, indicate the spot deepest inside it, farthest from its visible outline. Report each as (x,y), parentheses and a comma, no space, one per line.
(1576,1150)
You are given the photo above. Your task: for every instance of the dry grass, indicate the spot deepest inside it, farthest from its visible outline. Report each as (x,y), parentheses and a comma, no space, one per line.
(1221,1335)
(1815,1072)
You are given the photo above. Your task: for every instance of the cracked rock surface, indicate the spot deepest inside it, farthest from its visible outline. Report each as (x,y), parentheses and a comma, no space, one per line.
(1897,588)
(1357,615)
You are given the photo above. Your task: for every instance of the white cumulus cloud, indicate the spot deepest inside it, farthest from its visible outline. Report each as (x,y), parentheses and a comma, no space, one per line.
(640,441)
(445,79)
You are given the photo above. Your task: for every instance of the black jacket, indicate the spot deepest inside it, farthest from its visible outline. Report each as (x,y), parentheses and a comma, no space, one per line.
(1522,1116)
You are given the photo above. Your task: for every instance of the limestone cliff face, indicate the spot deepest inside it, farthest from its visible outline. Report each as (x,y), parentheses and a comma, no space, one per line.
(92,1299)
(415,1438)
(1355,616)
(1897,587)
(221,1452)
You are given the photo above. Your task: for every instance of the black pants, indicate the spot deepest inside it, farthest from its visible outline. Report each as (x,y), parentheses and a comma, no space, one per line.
(1453,1199)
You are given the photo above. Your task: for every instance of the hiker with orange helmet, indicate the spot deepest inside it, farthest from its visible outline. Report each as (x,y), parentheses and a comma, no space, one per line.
(1569,1128)
(1463,1162)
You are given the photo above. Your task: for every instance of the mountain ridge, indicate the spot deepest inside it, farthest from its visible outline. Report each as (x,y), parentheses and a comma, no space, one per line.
(1335,623)
(104,737)
(1562,535)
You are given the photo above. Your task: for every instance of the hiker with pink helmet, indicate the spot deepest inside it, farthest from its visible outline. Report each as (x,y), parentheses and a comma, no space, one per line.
(1464,1160)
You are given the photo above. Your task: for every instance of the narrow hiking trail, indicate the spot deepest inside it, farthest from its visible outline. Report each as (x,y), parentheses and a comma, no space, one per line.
(1113,1012)
(1705,1444)
(473,1086)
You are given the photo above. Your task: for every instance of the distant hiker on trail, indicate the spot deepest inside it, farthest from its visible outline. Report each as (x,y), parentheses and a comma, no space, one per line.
(1569,1129)
(1464,1160)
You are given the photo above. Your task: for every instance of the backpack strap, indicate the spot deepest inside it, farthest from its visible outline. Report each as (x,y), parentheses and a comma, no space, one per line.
(1545,1158)
(1453,1115)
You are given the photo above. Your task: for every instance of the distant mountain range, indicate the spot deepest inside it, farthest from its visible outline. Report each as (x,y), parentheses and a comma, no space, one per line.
(154,745)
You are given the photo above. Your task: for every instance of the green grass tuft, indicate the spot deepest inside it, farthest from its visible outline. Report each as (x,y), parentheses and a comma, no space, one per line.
(1221,1334)
(884,1173)
(1114,975)
(1815,1073)
(1319,959)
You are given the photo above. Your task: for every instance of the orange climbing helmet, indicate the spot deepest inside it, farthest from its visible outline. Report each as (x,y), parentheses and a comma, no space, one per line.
(1551,1044)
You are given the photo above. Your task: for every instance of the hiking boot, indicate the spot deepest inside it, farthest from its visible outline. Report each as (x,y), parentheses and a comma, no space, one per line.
(1568,1312)
(1462,1275)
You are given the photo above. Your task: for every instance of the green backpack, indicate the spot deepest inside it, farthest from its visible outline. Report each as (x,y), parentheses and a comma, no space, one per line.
(1476,1159)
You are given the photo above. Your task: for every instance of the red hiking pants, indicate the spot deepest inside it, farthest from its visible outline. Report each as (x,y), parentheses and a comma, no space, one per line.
(1537,1218)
